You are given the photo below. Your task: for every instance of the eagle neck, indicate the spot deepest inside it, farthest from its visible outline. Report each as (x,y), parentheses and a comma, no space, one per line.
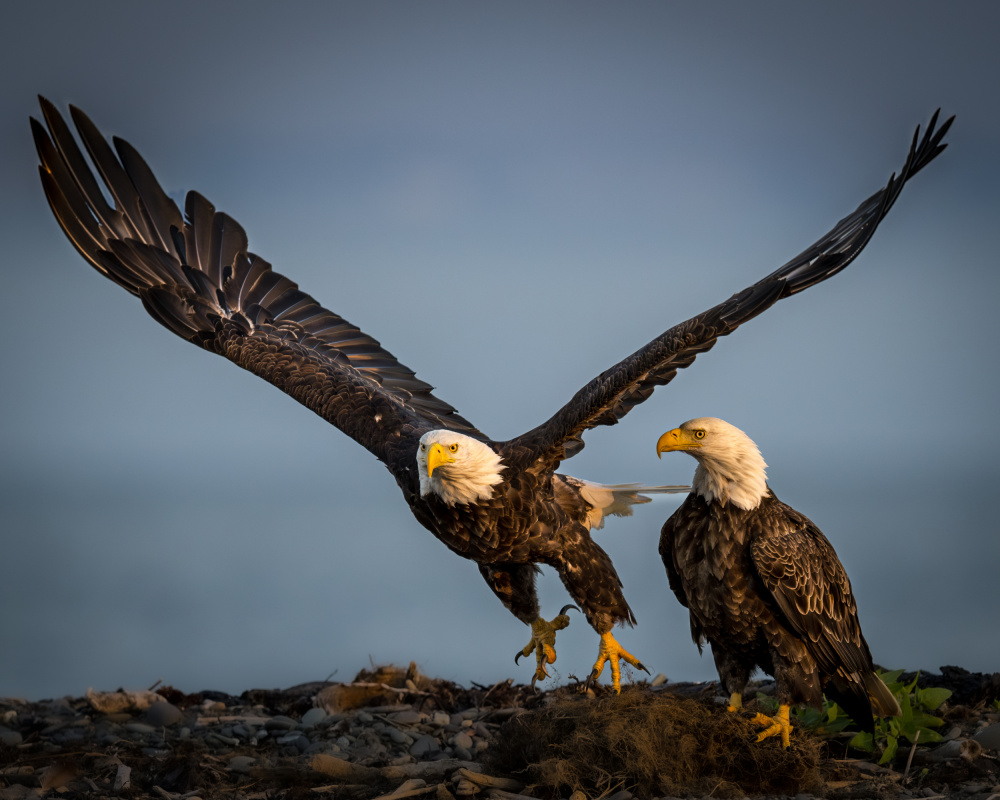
(737,476)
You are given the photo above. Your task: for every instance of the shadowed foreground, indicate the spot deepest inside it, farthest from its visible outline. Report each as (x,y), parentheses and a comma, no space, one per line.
(652,744)
(392,733)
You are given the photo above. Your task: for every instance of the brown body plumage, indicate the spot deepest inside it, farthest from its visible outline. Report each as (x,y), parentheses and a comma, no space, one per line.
(763,584)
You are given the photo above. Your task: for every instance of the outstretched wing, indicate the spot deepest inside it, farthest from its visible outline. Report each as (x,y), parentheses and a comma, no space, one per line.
(612,394)
(195,275)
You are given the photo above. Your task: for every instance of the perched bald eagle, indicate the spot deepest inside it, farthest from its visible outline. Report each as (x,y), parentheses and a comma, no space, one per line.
(498,503)
(763,585)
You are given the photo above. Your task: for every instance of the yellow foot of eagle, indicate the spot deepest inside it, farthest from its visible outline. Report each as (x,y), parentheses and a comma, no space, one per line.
(611,651)
(775,725)
(543,640)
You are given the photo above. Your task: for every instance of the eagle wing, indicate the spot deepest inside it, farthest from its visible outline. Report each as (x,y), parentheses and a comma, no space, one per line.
(613,393)
(798,567)
(195,275)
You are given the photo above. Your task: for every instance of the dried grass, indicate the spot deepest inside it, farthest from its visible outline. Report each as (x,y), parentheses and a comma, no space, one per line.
(651,744)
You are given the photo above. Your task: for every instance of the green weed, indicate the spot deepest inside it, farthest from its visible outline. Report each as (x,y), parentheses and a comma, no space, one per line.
(915,703)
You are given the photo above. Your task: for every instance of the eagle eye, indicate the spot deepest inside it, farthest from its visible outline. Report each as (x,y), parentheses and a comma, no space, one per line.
(453,447)
(699,434)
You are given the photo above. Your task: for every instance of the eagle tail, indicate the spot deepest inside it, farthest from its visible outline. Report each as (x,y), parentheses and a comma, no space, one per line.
(863,696)
(617,499)
(883,702)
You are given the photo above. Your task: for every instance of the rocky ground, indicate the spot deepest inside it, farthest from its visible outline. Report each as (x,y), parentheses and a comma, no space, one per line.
(393,733)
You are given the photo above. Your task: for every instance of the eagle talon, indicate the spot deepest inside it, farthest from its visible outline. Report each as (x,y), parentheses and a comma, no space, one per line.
(775,725)
(542,643)
(611,651)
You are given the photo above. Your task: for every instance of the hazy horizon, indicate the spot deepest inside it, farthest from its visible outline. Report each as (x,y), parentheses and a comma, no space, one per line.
(511,198)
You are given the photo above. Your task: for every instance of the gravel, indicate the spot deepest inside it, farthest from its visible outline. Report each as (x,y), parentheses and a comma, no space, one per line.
(389,734)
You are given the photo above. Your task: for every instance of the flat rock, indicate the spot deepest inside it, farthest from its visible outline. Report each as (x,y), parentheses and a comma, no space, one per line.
(989,737)
(425,747)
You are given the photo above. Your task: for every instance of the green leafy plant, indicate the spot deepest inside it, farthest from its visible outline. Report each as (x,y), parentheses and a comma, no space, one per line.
(915,703)
(825,723)
(915,722)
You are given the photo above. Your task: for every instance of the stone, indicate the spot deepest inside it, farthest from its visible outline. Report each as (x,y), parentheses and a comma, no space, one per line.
(280,722)
(398,736)
(989,737)
(407,717)
(313,717)
(160,715)
(424,747)
(123,778)
(242,764)
(9,737)
(139,727)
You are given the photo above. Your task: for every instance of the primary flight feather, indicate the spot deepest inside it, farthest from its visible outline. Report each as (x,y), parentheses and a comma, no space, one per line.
(499,503)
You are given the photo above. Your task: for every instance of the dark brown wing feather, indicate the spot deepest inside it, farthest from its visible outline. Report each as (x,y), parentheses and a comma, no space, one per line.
(195,275)
(674,577)
(798,566)
(611,395)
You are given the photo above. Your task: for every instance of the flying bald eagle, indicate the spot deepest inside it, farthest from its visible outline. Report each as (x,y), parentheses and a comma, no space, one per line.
(499,503)
(763,585)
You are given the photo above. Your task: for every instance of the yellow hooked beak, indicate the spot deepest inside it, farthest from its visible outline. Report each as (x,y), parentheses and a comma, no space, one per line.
(437,456)
(678,439)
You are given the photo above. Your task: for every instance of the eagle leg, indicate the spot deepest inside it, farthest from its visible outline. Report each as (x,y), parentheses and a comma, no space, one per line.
(611,651)
(543,640)
(775,725)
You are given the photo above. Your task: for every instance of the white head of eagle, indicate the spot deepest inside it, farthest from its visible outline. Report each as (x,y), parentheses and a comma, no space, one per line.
(456,467)
(730,467)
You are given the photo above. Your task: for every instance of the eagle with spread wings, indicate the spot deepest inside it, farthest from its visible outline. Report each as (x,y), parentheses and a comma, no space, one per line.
(501,504)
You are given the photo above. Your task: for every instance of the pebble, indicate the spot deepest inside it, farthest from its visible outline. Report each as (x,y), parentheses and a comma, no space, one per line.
(399,737)
(242,764)
(313,717)
(243,738)
(280,722)
(424,746)
(407,717)
(163,714)
(989,737)
(139,727)
(9,737)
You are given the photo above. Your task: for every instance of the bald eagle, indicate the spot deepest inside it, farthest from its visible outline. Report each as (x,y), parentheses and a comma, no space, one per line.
(763,585)
(499,503)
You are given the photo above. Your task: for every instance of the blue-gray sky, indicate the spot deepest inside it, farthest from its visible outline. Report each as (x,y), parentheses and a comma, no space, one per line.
(511,197)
